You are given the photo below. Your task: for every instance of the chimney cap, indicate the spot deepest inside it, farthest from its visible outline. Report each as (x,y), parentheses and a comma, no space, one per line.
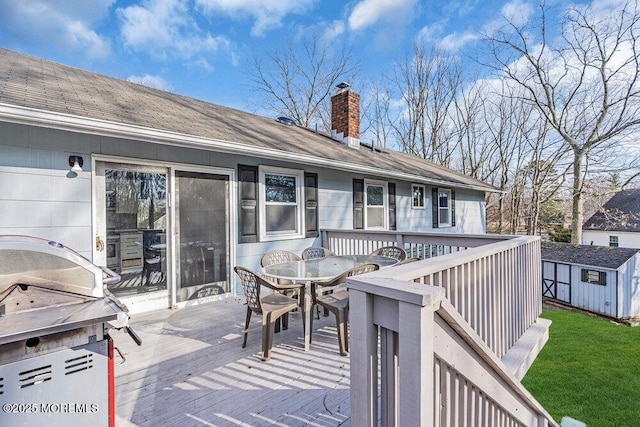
(342,86)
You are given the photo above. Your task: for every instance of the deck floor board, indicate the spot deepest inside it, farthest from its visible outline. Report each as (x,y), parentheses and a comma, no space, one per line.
(191,370)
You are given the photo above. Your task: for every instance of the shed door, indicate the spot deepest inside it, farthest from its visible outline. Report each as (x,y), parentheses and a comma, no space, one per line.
(556,281)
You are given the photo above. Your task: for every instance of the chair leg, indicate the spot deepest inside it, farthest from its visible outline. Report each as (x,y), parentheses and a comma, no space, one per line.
(268,326)
(285,321)
(342,332)
(310,322)
(346,328)
(246,328)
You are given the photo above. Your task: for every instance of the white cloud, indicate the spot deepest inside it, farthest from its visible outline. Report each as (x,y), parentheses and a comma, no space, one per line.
(267,14)
(456,41)
(325,31)
(369,12)
(155,82)
(334,30)
(517,12)
(429,33)
(66,24)
(165,29)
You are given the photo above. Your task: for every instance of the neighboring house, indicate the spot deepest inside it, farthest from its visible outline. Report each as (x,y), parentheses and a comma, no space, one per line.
(599,279)
(172,192)
(617,224)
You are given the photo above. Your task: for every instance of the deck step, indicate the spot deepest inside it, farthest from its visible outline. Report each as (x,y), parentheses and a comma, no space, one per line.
(522,354)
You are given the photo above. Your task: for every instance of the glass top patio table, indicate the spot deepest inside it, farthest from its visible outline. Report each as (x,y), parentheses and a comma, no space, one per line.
(320,269)
(326,268)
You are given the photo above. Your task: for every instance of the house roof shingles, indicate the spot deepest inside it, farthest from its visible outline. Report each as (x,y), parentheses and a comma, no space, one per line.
(620,213)
(590,255)
(39,84)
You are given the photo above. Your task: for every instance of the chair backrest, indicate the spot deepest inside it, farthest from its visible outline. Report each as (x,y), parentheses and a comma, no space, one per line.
(408,260)
(315,252)
(391,252)
(250,287)
(361,269)
(278,256)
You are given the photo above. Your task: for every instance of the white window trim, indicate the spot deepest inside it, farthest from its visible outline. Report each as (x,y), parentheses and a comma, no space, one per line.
(413,187)
(300,206)
(385,204)
(442,224)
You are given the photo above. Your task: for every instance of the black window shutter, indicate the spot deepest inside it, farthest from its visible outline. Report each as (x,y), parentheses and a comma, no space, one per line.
(358,204)
(311,204)
(453,208)
(434,207)
(602,278)
(248,201)
(392,206)
(584,275)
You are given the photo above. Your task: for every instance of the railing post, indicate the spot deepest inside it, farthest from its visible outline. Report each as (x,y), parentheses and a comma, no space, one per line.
(404,312)
(416,359)
(363,347)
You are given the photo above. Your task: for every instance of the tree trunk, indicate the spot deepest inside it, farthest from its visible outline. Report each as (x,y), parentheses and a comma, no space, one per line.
(577,215)
(501,215)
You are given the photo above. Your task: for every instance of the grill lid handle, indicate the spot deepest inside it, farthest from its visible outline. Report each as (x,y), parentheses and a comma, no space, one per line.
(112,277)
(133,335)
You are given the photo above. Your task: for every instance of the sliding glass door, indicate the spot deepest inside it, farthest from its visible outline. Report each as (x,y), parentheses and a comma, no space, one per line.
(164,230)
(131,238)
(202,218)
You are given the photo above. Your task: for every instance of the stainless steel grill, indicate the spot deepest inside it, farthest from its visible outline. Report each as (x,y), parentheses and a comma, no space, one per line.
(56,356)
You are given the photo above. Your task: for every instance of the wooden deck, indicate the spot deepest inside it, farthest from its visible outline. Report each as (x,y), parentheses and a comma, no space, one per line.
(192,371)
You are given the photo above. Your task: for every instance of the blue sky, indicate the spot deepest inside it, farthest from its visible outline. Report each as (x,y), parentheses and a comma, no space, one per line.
(202,48)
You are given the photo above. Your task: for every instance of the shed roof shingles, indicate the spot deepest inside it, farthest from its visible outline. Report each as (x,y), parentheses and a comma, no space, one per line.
(590,255)
(39,84)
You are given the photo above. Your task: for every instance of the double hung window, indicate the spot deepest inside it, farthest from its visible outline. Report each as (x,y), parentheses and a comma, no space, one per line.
(444,208)
(417,196)
(281,193)
(376,205)
(613,241)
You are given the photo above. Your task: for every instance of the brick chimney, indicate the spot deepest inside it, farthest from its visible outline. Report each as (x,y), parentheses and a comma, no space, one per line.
(345,116)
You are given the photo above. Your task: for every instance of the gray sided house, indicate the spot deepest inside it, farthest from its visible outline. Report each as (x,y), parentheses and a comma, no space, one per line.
(598,279)
(172,192)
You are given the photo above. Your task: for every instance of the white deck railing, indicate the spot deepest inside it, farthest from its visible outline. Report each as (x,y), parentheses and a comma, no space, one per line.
(453,332)
(494,282)
(419,245)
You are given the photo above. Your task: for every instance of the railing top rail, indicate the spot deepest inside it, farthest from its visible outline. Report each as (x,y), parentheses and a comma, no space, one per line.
(429,266)
(488,237)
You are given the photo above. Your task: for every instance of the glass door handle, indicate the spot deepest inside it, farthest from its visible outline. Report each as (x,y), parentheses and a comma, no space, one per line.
(99,244)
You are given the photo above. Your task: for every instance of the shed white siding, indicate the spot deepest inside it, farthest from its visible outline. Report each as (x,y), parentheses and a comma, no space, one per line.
(600,299)
(629,288)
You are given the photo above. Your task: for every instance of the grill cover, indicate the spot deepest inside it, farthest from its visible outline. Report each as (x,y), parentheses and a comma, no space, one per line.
(46,287)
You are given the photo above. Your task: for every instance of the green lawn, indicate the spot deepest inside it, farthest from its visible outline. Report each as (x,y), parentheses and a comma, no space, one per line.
(588,370)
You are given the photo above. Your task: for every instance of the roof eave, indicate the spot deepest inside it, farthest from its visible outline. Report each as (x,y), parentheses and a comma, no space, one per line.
(67,122)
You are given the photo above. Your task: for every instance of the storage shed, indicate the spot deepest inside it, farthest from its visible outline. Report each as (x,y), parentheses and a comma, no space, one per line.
(600,279)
